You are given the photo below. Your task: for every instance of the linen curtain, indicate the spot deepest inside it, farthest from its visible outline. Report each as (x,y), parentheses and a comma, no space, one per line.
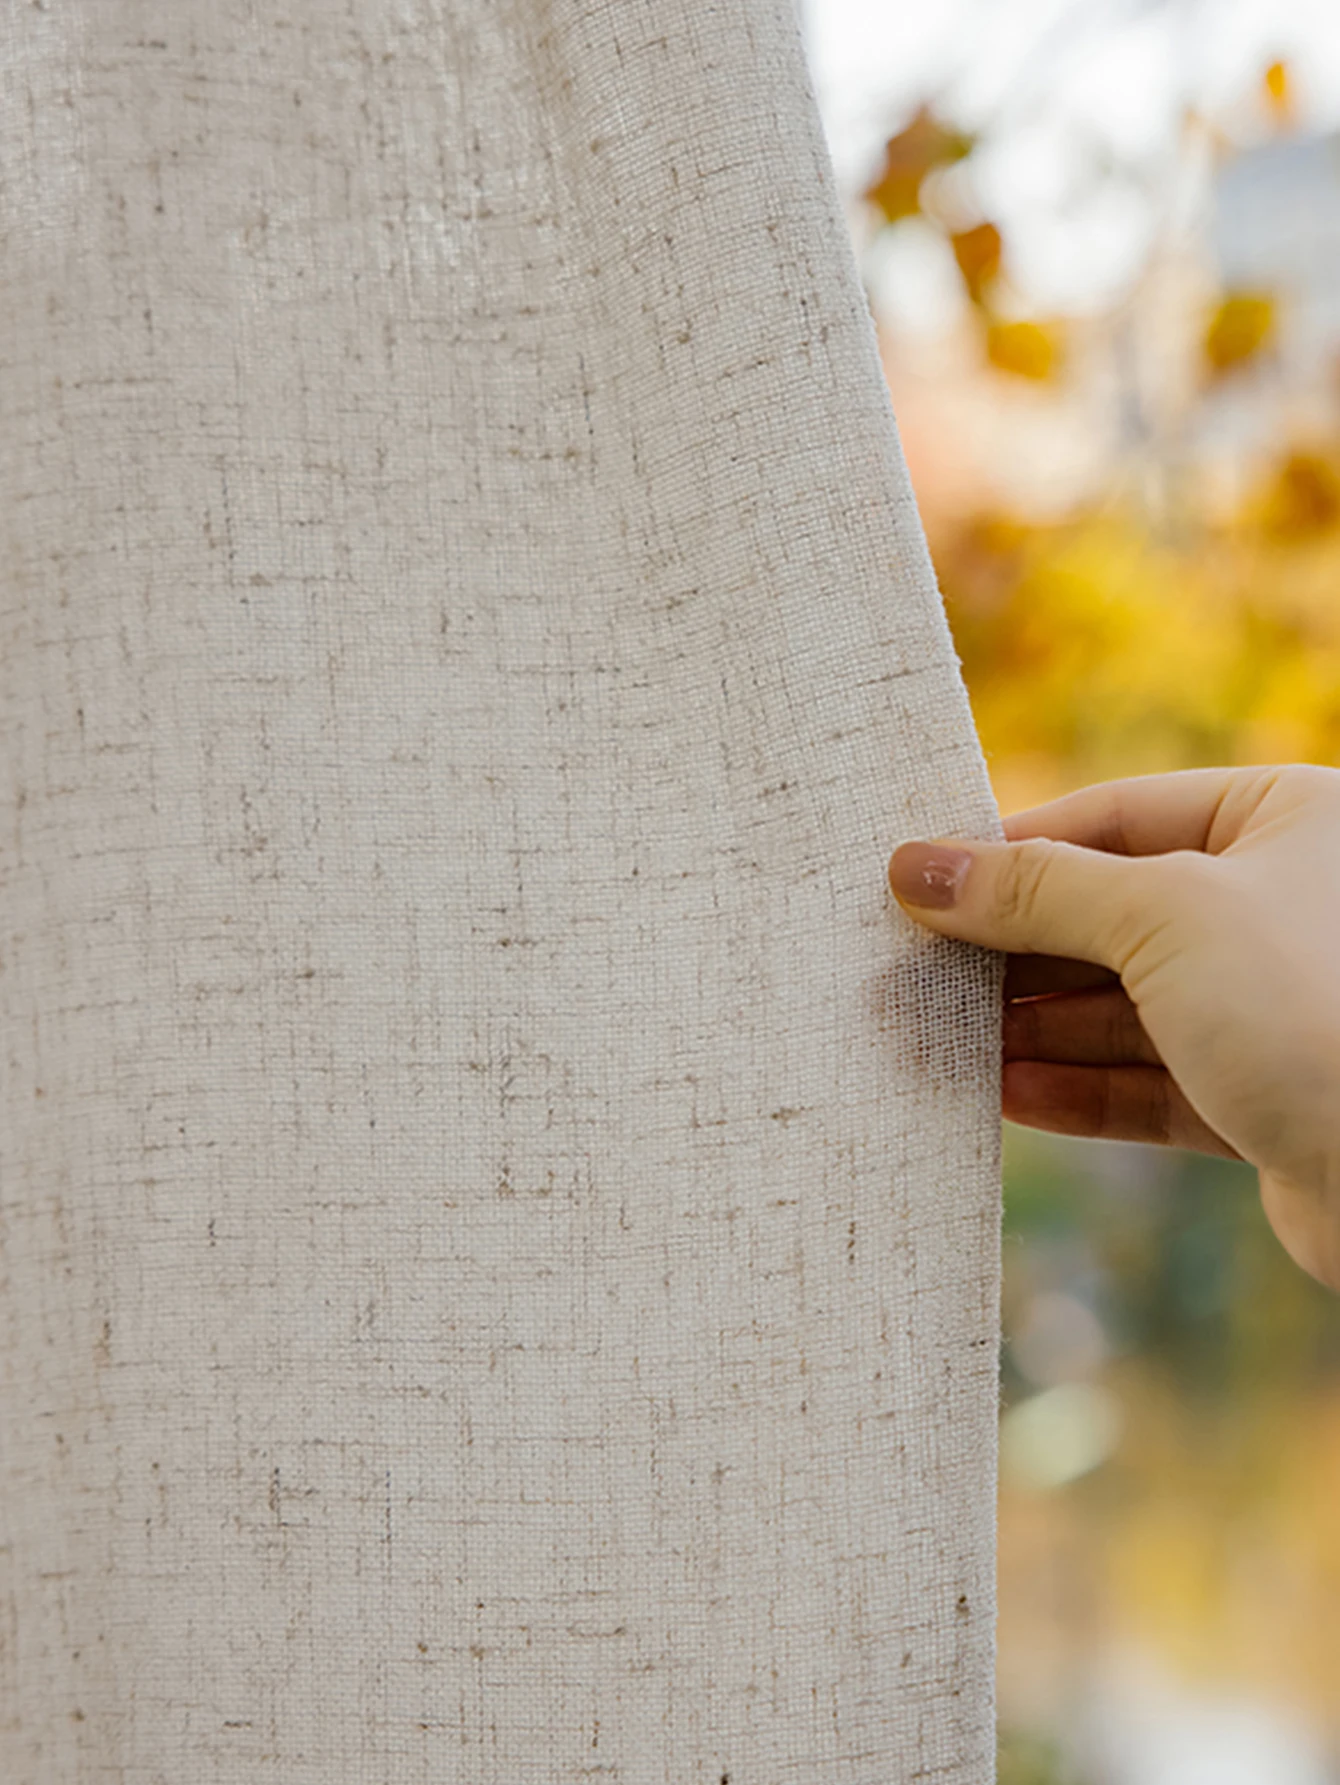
(499,1212)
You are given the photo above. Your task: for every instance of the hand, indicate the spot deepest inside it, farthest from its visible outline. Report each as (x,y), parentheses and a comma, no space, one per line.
(1173,971)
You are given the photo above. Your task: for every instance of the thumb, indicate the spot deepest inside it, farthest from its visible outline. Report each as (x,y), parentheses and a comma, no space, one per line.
(1032,897)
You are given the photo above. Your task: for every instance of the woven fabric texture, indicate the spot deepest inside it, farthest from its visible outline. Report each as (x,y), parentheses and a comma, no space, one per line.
(499,1210)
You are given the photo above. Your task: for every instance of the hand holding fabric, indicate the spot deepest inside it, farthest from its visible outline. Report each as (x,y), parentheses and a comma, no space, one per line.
(1173,971)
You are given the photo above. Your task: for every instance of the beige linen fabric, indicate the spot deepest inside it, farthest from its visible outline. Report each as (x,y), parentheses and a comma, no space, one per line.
(500,1213)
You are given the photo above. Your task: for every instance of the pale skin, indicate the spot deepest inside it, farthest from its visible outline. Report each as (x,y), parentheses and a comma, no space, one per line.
(1173,971)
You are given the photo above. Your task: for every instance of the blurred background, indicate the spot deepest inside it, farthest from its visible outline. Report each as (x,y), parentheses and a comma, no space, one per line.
(1101,242)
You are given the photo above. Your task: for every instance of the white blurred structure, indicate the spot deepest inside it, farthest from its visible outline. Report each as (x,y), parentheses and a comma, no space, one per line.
(1275,227)
(1138,1727)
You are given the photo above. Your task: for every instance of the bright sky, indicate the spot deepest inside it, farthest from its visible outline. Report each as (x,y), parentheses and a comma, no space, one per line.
(1073,87)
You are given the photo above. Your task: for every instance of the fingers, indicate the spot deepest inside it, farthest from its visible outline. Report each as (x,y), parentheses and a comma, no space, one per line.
(1089,1028)
(1143,814)
(1035,896)
(1033,975)
(1106,1103)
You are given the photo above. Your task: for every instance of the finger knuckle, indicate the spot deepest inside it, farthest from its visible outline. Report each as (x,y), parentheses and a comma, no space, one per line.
(1171,899)
(1019,884)
(1157,1113)
(1290,784)
(1310,780)
(1119,1026)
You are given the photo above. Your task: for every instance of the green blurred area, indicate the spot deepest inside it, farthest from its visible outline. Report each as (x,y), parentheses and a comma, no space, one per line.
(1174,1251)
(1031,1760)
(1210,1535)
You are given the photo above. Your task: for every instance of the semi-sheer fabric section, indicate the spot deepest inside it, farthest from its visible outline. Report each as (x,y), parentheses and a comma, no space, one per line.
(500,1213)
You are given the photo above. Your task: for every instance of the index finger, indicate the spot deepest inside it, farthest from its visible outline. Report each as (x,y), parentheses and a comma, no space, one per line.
(1139,815)
(1041,975)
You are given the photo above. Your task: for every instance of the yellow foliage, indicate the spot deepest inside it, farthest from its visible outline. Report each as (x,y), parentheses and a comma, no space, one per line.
(926,143)
(1277,89)
(1303,497)
(1091,649)
(1241,326)
(1027,349)
(977,252)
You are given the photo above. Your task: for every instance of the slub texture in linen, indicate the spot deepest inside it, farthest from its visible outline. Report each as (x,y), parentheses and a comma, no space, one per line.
(500,1212)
